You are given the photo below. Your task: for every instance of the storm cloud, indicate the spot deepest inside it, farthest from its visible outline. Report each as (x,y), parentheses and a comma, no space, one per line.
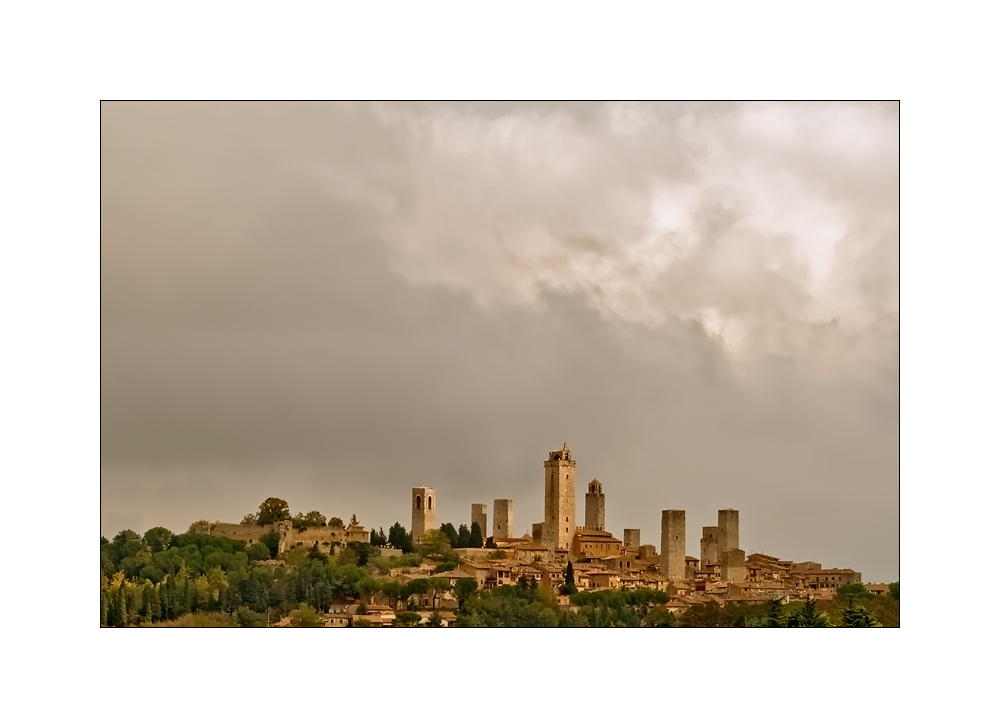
(334,303)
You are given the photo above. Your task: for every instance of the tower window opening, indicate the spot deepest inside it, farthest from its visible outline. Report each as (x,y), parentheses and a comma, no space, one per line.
(428,502)
(418,501)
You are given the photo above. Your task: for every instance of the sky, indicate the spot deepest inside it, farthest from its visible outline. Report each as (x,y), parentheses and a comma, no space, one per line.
(335,303)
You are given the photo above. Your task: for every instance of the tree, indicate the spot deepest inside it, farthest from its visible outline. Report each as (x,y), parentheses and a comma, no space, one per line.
(858,616)
(335,522)
(158,539)
(463,537)
(449,530)
(258,551)
(250,519)
(378,539)
(808,616)
(570,586)
(659,617)
(435,543)
(400,539)
(363,550)
(894,590)
(774,616)
(354,520)
(406,619)
(435,620)
(475,537)
(464,588)
(846,591)
(306,616)
(271,539)
(273,510)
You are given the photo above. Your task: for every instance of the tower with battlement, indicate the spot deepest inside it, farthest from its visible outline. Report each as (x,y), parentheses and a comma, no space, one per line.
(560,499)
(424,512)
(594,506)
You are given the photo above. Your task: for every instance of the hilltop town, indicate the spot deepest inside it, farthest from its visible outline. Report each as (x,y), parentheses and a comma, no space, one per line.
(431,569)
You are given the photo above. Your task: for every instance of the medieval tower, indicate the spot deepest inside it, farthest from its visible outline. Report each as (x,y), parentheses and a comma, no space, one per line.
(423,502)
(560,500)
(729,531)
(503,518)
(594,506)
(631,540)
(479,516)
(672,545)
(709,546)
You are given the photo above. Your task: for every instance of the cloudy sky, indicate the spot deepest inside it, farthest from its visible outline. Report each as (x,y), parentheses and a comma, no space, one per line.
(334,303)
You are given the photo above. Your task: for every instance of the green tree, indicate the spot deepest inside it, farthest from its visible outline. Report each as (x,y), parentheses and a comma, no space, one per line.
(258,551)
(570,586)
(475,536)
(808,616)
(774,615)
(273,510)
(858,616)
(306,616)
(361,623)
(271,539)
(894,590)
(400,539)
(354,520)
(845,591)
(378,539)
(363,550)
(449,531)
(659,617)
(250,519)
(462,541)
(435,620)
(158,539)
(406,619)
(335,522)
(435,543)
(464,588)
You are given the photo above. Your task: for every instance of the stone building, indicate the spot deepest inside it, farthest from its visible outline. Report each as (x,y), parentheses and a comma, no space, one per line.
(560,499)
(503,519)
(479,516)
(424,516)
(672,545)
(631,540)
(729,531)
(591,543)
(709,545)
(594,506)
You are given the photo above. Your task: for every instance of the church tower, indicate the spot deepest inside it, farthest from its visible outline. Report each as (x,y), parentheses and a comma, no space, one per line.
(560,499)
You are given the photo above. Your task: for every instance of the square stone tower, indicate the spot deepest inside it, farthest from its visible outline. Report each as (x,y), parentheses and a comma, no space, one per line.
(560,499)
(479,516)
(594,506)
(709,546)
(729,531)
(503,518)
(424,516)
(672,545)
(631,540)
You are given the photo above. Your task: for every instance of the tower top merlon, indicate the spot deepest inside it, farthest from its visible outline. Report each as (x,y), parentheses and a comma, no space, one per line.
(563,454)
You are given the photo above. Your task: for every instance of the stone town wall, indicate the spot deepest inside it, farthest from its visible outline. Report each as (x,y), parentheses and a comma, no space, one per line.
(323,537)
(240,532)
(672,545)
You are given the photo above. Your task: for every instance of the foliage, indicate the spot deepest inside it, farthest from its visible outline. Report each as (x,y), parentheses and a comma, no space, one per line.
(363,551)
(463,589)
(660,617)
(400,539)
(271,539)
(846,591)
(894,590)
(250,519)
(496,554)
(450,533)
(569,587)
(335,522)
(808,616)
(362,623)
(272,510)
(508,606)
(475,537)
(435,543)
(245,617)
(856,615)
(312,518)
(406,619)
(306,616)
(463,537)
(158,539)
(378,539)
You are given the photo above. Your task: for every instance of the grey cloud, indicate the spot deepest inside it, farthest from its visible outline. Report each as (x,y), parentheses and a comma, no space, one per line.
(268,328)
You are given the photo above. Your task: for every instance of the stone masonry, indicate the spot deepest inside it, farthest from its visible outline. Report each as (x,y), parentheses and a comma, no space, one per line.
(631,540)
(709,546)
(479,516)
(560,499)
(672,545)
(594,506)
(503,518)
(424,505)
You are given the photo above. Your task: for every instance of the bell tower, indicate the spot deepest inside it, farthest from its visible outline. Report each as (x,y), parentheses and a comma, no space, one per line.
(560,499)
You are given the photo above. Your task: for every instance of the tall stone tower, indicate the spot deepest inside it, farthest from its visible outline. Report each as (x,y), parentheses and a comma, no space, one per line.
(594,506)
(503,518)
(631,540)
(709,546)
(424,517)
(729,531)
(672,545)
(479,516)
(560,499)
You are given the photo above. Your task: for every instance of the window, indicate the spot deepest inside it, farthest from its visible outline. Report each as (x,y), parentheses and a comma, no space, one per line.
(429,503)
(418,502)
